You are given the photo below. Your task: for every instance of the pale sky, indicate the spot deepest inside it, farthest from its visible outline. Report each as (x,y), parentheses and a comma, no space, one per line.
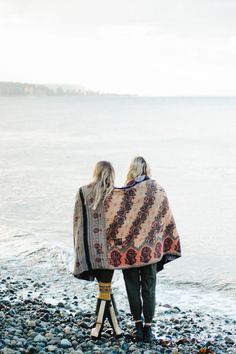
(144,47)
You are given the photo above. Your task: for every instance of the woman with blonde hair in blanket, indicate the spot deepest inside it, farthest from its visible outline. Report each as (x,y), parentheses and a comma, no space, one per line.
(140,282)
(87,205)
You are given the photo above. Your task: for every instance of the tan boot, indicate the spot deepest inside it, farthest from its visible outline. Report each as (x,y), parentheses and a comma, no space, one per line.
(101,315)
(113,318)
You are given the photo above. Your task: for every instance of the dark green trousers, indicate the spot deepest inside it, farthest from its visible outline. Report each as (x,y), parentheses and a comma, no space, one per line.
(141,290)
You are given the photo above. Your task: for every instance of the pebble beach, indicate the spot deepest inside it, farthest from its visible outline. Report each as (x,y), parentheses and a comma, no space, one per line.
(31,322)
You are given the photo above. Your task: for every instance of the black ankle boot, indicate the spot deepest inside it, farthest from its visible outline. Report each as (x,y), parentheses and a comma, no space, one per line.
(139,330)
(113,317)
(101,315)
(147,334)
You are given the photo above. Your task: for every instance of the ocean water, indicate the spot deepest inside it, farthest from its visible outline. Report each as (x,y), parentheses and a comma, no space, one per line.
(48,147)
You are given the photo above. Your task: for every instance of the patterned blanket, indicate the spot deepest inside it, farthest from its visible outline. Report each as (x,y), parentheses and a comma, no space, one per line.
(133,228)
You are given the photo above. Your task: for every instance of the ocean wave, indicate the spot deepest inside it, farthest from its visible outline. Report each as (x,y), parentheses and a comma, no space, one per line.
(22,234)
(201,284)
(47,257)
(63,260)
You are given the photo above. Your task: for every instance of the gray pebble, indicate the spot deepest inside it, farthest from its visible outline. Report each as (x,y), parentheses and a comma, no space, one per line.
(65,343)
(229,340)
(8,351)
(39,338)
(30,323)
(51,348)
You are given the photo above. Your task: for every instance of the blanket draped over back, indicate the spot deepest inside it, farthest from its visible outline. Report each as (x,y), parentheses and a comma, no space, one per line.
(134,227)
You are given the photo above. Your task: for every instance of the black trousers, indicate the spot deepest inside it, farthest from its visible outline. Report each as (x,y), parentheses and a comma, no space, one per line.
(103,275)
(141,289)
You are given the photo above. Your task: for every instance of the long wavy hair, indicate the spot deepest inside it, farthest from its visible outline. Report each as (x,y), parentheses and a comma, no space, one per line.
(102,182)
(138,167)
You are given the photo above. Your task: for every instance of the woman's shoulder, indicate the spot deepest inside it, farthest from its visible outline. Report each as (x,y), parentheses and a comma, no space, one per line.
(155,184)
(83,189)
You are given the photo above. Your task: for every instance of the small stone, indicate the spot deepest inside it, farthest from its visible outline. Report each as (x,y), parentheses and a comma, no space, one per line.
(45,317)
(83,325)
(12,312)
(7,341)
(175,350)
(132,348)
(49,335)
(229,340)
(67,330)
(96,350)
(60,304)
(74,343)
(124,346)
(38,329)
(51,348)
(65,343)
(8,351)
(6,303)
(30,323)
(54,341)
(13,343)
(178,309)
(78,314)
(40,338)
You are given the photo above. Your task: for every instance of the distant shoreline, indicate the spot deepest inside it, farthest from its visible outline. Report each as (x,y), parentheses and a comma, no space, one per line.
(19,89)
(13,89)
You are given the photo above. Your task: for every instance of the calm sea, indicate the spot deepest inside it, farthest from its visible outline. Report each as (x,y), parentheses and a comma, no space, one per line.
(49,145)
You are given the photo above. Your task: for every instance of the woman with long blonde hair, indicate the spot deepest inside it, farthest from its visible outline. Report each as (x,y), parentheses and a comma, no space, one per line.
(137,168)
(140,282)
(102,183)
(89,204)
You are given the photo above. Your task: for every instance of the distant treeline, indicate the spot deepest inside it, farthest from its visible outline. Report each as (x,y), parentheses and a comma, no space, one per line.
(24,89)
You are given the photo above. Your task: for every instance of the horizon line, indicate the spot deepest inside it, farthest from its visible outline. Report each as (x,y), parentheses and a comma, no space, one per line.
(100,93)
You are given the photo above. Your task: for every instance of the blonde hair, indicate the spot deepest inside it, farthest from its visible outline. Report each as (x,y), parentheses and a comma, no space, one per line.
(138,167)
(102,183)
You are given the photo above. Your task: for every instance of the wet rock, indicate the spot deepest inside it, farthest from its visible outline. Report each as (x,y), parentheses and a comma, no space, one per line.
(177,331)
(229,340)
(124,346)
(30,323)
(132,348)
(39,329)
(51,348)
(65,343)
(67,329)
(40,338)
(84,324)
(7,350)
(45,317)
(78,351)
(6,303)
(36,285)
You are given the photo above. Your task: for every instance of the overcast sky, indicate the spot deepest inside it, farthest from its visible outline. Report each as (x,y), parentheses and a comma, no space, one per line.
(144,47)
